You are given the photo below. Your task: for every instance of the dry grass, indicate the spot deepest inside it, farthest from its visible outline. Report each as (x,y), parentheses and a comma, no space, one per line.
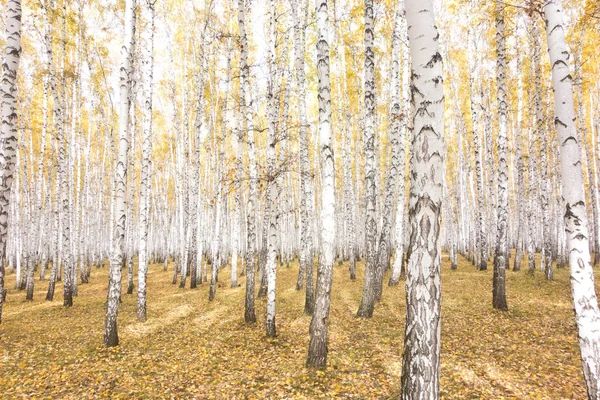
(190,348)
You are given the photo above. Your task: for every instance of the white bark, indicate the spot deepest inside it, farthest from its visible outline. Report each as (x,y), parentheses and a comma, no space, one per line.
(421,359)
(384,250)
(111,337)
(317,348)
(146,177)
(246,97)
(271,196)
(501,256)
(8,130)
(587,314)
(400,117)
(367,303)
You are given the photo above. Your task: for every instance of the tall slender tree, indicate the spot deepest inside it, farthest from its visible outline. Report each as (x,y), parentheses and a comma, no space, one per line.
(271,195)
(384,251)
(501,254)
(367,303)
(111,337)
(148,15)
(317,348)
(480,231)
(400,116)
(246,99)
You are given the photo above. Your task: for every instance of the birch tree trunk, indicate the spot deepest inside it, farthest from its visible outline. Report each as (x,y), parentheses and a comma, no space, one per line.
(8,130)
(367,303)
(541,135)
(146,177)
(111,337)
(271,195)
(520,181)
(237,140)
(421,359)
(401,116)
(199,131)
(131,192)
(299,63)
(531,203)
(384,251)
(587,314)
(317,348)
(476,102)
(245,96)
(501,256)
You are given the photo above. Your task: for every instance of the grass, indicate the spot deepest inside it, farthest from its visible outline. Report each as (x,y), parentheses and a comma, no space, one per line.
(193,348)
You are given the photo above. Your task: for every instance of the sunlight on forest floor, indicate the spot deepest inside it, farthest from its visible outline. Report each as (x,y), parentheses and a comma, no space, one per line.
(190,348)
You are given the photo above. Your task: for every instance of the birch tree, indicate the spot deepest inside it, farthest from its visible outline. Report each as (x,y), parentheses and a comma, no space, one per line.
(367,303)
(271,195)
(8,130)
(481,244)
(317,348)
(501,255)
(585,301)
(421,359)
(111,337)
(246,98)
(400,117)
(146,177)
(384,251)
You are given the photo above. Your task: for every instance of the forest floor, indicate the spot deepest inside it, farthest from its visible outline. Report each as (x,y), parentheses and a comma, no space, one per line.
(193,348)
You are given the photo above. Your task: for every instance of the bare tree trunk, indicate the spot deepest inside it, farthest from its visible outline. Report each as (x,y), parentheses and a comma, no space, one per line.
(237,140)
(272,220)
(367,303)
(402,116)
(501,256)
(146,177)
(245,96)
(317,348)
(131,183)
(585,301)
(476,103)
(520,176)
(384,251)
(111,337)
(542,136)
(421,359)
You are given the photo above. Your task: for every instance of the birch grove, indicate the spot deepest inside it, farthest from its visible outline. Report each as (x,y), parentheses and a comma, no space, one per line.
(347,170)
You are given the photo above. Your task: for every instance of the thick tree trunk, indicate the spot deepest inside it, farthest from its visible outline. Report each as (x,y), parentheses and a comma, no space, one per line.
(421,359)
(587,314)
(8,130)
